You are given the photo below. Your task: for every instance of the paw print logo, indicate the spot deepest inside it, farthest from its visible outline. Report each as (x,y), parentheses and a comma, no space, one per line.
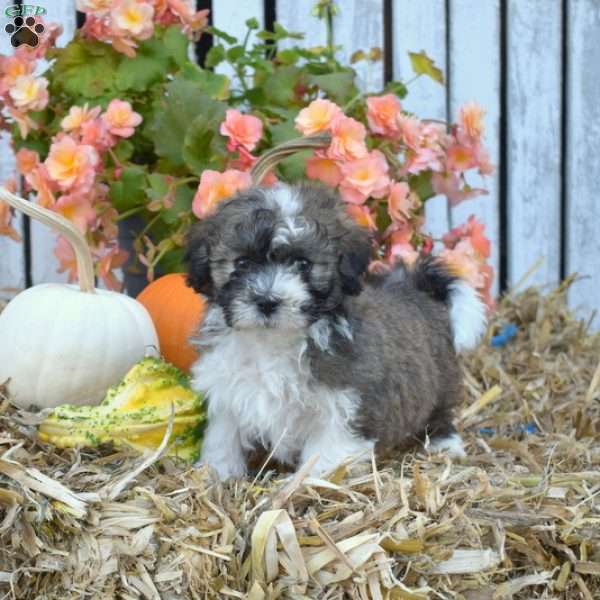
(24,31)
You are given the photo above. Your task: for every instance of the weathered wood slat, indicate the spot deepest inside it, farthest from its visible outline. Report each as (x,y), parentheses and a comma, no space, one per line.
(44,264)
(12,259)
(534,139)
(583,167)
(359,26)
(422,26)
(474,54)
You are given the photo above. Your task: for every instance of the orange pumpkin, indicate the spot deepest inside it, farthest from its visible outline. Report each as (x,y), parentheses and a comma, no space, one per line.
(176,311)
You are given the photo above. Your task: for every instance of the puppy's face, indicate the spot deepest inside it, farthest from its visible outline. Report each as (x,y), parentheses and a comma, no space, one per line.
(278,257)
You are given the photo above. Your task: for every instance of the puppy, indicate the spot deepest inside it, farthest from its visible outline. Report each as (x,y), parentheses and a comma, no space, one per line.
(303,352)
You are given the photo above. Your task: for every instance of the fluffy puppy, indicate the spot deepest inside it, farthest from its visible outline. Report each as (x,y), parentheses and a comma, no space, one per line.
(303,352)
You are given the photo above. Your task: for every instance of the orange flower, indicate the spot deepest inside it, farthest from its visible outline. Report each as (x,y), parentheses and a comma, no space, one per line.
(243,130)
(323,169)
(317,116)
(77,116)
(348,141)
(36,176)
(66,258)
(110,259)
(133,18)
(460,158)
(383,113)
(77,208)
(6,214)
(71,164)
(470,120)
(362,215)
(120,118)
(365,177)
(12,67)
(401,202)
(29,92)
(215,187)
(474,231)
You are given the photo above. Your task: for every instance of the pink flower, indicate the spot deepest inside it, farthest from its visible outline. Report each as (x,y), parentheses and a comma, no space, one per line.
(365,177)
(77,116)
(215,187)
(460,158)
(317,116)
(76,207)
(474,231)
(168,12)
(36,176)
(66,258)
(243,130)
(110,259)
(449,184)
(132,18)
(71,164)
(409,129)
(362,215)
(348,141)
(323,169)
(120,118)
(401,202)
(97,7)
(6,228)
(11,68)
(470,121)
(29,92)
(382,115)
(96,134)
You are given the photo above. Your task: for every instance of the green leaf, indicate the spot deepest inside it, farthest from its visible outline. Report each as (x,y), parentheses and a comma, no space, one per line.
(280,86)
(398,88)
(176,44)
(421,184)
(123,150)
(288,56)
(203,146)
(86,68)
(128,192)
(282,132)
(149,66)
(172,261)
(214,56)
(423,65)
(293,168)
(252,23)
(235,53)
(181,207)
(173,116)
(212,84)
(222,34)
(339,86)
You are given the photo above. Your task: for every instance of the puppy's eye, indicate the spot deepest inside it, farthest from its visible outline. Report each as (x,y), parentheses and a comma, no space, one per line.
(303,264)
(242,263)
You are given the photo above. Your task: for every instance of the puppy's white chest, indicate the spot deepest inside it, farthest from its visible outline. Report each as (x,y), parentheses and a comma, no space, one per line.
(259,378)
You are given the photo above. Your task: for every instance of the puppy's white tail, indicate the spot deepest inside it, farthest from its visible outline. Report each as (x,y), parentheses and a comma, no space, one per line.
(467,315)
(466,308)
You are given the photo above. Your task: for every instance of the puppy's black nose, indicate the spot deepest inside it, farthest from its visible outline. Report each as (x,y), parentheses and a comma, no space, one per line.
(267,306)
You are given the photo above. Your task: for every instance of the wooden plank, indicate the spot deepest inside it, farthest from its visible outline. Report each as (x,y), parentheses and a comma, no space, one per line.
(44,264)
(295,15)
(534,139)
(422,26)
(12,259)
(231,17)
(474,53)
(583,167)
(359,26)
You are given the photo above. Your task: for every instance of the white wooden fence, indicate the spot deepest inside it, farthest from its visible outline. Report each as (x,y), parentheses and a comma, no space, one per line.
(534,65)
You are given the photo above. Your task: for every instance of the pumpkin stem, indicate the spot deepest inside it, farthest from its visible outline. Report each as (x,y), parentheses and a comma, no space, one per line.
(85,265)
(269,159)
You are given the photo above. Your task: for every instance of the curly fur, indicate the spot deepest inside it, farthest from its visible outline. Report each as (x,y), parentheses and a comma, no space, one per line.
(303,353)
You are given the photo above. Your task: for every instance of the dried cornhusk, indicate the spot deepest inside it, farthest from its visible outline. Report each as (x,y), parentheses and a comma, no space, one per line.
(519,518)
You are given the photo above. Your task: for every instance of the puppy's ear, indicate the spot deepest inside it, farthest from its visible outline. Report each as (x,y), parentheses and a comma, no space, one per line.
(197,256)
(355,255)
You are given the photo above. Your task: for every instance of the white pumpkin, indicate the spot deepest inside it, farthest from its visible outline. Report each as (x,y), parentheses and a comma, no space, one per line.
(68,344)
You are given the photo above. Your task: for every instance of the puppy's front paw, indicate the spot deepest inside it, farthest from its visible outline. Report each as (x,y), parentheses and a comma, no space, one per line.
(224,469)
(451,445)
